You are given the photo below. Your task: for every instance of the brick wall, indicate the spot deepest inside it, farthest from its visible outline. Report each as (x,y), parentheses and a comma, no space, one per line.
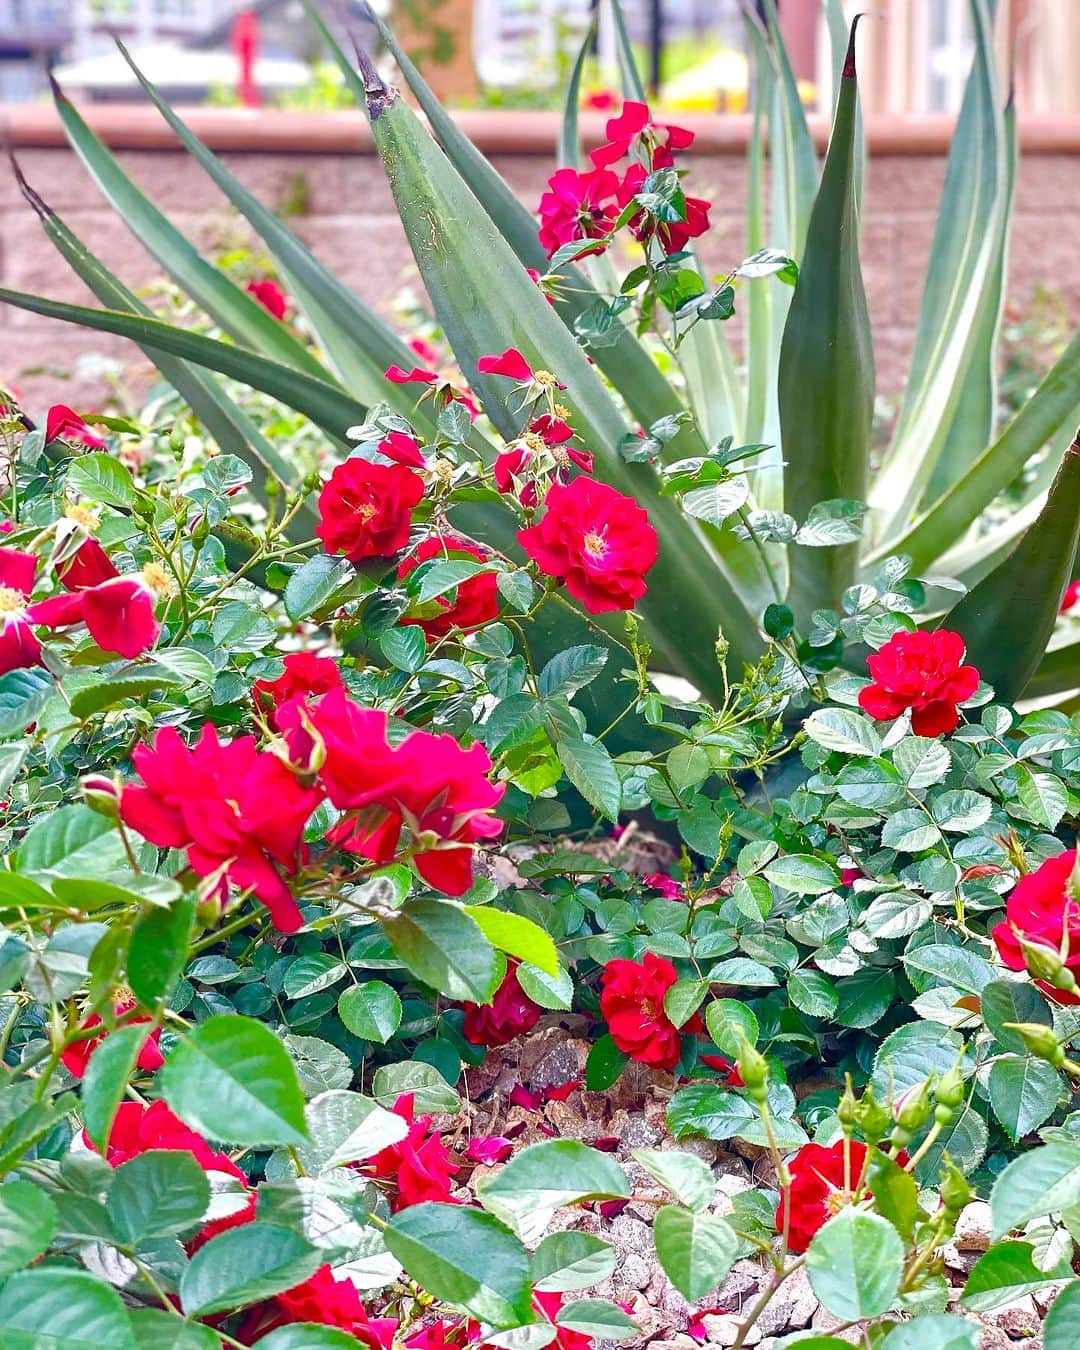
(349,219)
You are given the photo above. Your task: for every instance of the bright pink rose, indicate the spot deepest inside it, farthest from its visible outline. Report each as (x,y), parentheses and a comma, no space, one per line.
(305,676)
(1071,599)
(673,235)
(554,431)
(510,1013)
(668,886)
(627,131)
(577,206)
(88,566)
(419,1164)
(595,539)
(118,613)
(19,647)
(77,1056)
(632,1004)
(477,598)
(270,295)
(1041,910)
(365,509)
(64,424)
(230,806)
(921,671)
(402,449)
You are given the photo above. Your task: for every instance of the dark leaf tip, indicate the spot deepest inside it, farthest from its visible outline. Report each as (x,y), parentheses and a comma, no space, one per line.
(378,94)
(57,93)
(39,205)
(849,72)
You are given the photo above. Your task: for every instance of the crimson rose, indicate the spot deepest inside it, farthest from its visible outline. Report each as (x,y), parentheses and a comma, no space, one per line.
(1041,910)
(510,1013)
(365,509)
(632,1004)
(923,672)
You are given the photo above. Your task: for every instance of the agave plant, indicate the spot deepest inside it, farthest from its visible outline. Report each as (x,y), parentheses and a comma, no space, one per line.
(804,405)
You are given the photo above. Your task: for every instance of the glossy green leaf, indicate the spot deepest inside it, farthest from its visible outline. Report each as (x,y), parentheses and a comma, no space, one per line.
(445,947)
(51,1307)
(855,1263)
(157,1194)
(244,1265)
(695,1250)
(1042,1181)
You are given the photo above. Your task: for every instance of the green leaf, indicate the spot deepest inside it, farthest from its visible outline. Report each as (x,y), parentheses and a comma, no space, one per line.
(960,967)
(106,1079)
(604,1064)
(1023,1092)
(155,1329)
(309,1336)
(910,832)
(344,1127)
(702,1108)
(552,1173)
(589,767)
(695,1250)
(1061,1330)
(23,696)
(425,1083)
(803,874)
(27,1225)
(910,1054)
(244,1265)
(571,1260)
(571,670)
(158,950)
(724,1018)
(1043,796)
(313,584)
(517,936)
(466,1257)
(319,1065)
(689,1180)
(921,761)
(371,1011)
(855,1263)
(895,1192)
(231,1078)
(556,993)
(813,993)
(157,1194)
(843,730)
(313,973)
(102,479)
(405,648)
(1040,1182)
(72,842)
(715,502)
(62,1309)
(1002,1274)
(598,1319)
(1013,1001)
(445,948)
(937,1330)
(826,375)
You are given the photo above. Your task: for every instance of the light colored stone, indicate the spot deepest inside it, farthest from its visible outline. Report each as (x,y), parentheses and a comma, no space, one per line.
(972,1232)
(723,1329)
(1019,1318)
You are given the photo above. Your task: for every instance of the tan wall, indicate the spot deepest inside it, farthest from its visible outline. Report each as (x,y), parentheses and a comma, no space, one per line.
(351,223)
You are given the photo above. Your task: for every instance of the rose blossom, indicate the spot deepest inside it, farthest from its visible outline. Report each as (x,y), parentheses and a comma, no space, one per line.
(673,235)
(270,295)
(577,206)
(305,676)
(597,540)
(64,424)
(233,808)
(510,1013)
(627,131)
(632,1004)
(365,509)
(77,1055)
(1041,910)
(402,449)
(1070,601)
(325,1300)
(822,1184)
(477,598)
(921,671)
(419,1164)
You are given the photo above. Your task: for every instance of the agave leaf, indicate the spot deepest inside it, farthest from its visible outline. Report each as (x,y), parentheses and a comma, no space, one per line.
(569,153)
(466,264)
(1054,403)
(358,342)
(629,75)
(1029,583)
(794,164)
(961,301)
(1058,672)
(827,364)
(838,40)
(327,406)
(762,424)
(242,317)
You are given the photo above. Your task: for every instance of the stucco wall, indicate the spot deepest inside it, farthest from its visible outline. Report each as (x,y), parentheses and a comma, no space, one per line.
(349,219)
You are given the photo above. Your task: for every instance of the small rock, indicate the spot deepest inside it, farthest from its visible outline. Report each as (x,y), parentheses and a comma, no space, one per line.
(958,1260)
(824,1321)
(723,1329)
(1019,1318)
(634,1131)
(562,1063)
(972,1232)
(635,1271)
(993,1338)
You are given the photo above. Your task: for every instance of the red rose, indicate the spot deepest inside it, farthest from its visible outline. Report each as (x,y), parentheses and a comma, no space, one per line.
(510,1013)
(270,295)
(325,1300)
(118,613)
(477,599)
(138,1129)
(730,1072)
(554,430)
(920,671)
(417,375)
(632,1004)
(305,676)
(823,1182)
(577,206)
(669,887)
(426,351)
(365,509)
(510,363)
(673,235)
(402,449)
(77,1056)
(64,424)
(19,647)
(627,131)
(1040,909)
(419,1163)
(88,566)
(597,540)
(1071,599)
(232,807)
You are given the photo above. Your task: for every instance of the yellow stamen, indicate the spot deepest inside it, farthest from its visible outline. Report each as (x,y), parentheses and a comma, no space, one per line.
(595,545)
(82,515)
(544,377)
(11,600)
(532,440)
(157,578)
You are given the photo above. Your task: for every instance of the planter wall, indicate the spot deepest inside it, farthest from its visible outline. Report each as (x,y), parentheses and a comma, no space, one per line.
(321,167)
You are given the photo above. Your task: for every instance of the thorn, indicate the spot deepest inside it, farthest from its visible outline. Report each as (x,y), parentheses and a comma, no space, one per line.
(849,73)
(378,94)
(43,210)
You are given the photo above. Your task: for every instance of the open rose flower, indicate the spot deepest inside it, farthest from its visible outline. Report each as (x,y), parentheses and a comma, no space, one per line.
(78,1054)
(270,295)
(595,539)
(305,676)
(89,565)
(118,613)
(510,1013)
(402,449)
(630,128)
(513,365)
(673,235)
(365,509)
(632,1004)
(419,1164)
(577,206)
(323,1299)
(234,809)
(1041,910)
(474,602)
(64,424)
(923,672)
(823,1182)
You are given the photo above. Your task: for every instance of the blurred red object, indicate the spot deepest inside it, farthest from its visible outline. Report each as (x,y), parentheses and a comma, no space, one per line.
(245,43)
